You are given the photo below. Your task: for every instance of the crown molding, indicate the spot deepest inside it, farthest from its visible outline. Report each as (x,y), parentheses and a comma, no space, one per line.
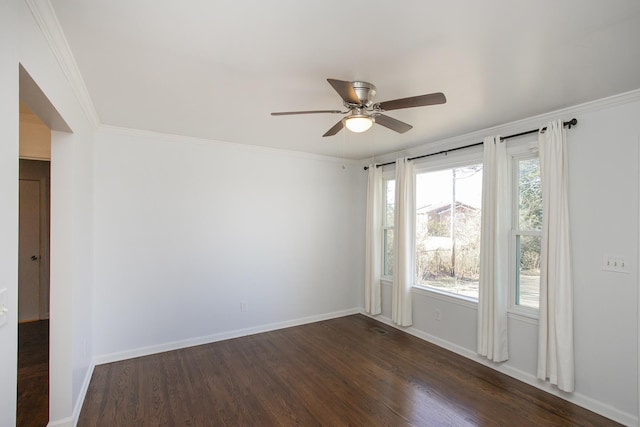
(46,18)
(512,127)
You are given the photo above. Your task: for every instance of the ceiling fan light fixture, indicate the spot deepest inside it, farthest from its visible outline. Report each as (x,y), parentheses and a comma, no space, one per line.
(358,123)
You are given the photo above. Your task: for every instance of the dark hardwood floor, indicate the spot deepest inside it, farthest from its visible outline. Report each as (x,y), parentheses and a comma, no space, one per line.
(33,374)
(332,373)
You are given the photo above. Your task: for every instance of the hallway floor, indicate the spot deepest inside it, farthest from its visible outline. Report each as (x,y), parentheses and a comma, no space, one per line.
(33,374)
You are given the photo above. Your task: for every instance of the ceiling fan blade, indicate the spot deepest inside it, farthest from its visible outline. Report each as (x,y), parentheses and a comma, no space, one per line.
(414,101)
(335,129)
(393,124)
(345,90)
(289,113)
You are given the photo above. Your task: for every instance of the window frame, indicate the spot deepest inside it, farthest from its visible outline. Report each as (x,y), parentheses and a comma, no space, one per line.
(387,175)
(451,160)
(518,152)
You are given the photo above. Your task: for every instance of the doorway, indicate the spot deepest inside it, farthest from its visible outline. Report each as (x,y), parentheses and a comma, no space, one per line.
(32,407)
(37,142)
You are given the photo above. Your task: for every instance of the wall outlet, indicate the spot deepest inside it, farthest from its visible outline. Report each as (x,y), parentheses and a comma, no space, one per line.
(438,315)
(243,306)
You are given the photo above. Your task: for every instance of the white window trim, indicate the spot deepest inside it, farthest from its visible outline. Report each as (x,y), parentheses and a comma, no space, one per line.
(387,175)
(448,161)
(520,151)
(450,297)
(437,163)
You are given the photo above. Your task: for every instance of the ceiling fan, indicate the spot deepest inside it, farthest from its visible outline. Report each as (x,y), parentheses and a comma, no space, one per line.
(362,112)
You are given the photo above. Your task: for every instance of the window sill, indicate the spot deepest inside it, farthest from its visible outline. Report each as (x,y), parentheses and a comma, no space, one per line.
(525,316)
(445,296)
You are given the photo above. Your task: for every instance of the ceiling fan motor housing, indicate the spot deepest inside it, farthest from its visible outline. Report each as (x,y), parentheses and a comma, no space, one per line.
(365,92)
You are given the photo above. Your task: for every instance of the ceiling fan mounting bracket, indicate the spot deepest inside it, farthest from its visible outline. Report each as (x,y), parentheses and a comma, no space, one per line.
(365,92)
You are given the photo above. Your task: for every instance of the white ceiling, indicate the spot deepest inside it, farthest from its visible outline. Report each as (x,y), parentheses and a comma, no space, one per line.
(216,69)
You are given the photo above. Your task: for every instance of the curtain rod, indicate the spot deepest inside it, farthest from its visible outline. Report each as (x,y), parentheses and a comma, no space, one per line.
(570,123)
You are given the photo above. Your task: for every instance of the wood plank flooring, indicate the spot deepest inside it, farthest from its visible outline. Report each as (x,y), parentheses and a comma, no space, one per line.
(333,373)
(33,374)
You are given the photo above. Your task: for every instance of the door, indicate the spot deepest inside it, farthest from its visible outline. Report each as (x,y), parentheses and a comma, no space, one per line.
(33,250)
(29,254)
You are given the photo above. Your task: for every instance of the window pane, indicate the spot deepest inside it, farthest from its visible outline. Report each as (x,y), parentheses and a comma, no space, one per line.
(529,195)
(390,201)
(528,271)
(389,205)
(448,229)
(388,253)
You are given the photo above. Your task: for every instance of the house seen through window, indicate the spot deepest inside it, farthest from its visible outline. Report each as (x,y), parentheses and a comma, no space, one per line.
(448,212)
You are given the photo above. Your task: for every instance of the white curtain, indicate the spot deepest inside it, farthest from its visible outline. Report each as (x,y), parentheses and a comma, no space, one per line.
(555,334)
(373,241)
(403,244)
(494,253)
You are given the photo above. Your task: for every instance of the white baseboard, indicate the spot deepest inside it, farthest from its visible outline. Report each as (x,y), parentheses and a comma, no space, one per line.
(576,398)
(83,392)
(175,345)
(66,422)
(72,421)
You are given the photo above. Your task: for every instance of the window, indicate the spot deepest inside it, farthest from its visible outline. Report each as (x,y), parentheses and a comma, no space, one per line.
(389,189)
(526,233)
(448,203)
(448,212)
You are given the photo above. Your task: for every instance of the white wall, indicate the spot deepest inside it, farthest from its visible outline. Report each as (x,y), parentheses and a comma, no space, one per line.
(22,42)
(8,216)
(603,171)
(185,230)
